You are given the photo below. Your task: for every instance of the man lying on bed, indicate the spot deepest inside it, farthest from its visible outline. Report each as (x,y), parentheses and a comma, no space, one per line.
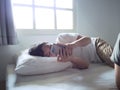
(78,49)
(116,59)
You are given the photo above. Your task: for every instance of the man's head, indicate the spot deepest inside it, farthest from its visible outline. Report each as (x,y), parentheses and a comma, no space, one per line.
(42,49)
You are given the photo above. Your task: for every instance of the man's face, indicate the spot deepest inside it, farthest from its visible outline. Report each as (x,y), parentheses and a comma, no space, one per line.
(46,49)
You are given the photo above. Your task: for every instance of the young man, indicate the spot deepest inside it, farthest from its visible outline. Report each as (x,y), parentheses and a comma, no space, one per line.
(80,50)
(116,59)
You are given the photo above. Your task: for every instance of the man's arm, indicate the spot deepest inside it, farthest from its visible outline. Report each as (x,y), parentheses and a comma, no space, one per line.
(117,73)
(79,42)
(77,62)
(82,41)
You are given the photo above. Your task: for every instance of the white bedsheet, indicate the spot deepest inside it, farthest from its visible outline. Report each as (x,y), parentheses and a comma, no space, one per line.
(97,77)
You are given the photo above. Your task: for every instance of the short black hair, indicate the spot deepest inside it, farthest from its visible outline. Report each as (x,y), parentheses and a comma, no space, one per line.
(37,50)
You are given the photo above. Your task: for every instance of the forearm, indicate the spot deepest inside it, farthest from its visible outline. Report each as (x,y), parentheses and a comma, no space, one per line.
(83,41)
(79,63)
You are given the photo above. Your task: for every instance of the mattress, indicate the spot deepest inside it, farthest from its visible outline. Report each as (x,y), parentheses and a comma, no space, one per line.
(96,77)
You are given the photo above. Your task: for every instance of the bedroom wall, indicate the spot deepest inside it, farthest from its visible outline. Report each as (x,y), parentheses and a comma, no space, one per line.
(99,18)
(94,18)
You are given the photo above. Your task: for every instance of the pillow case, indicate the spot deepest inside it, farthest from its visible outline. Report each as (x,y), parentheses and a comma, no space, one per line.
(31,65)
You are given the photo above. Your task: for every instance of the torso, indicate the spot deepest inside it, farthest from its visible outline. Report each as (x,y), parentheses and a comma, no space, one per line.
(88,52)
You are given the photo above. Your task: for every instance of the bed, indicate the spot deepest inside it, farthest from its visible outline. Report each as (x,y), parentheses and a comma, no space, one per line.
(97,77)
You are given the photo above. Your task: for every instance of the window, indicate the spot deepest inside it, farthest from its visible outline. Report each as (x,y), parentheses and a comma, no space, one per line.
(43,14)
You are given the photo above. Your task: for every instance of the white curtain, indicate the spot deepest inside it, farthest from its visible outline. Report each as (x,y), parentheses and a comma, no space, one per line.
(7,31)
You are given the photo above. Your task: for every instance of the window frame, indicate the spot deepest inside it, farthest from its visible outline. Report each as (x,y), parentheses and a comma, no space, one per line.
(49,31)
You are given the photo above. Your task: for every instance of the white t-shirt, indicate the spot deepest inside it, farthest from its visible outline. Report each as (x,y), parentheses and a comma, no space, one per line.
(86,53)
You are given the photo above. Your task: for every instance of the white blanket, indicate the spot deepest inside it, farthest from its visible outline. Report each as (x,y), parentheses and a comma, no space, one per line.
(97,77)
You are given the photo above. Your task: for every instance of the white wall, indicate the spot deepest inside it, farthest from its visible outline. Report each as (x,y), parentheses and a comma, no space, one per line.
(94,18)
(99,18)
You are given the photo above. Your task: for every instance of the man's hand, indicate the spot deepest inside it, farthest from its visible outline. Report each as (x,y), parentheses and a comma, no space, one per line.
(63,58)
(65,50)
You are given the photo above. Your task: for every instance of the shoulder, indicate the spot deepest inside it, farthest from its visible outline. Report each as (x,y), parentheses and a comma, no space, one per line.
(69,35)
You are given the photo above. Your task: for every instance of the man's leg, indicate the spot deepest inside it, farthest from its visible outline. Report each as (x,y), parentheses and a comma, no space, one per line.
(117,75)
(116,59)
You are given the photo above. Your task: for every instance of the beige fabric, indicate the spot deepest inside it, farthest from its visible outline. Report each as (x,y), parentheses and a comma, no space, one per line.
(104,51)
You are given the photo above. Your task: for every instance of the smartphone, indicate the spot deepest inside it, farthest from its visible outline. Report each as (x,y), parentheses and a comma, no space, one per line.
(56,48)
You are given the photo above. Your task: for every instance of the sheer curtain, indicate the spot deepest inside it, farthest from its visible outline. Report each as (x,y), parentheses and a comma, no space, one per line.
(7,31)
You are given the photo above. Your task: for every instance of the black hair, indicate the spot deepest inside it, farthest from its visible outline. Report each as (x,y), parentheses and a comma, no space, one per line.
(37,50)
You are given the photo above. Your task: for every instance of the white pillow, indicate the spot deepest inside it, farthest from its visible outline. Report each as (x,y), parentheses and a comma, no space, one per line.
(31,65)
